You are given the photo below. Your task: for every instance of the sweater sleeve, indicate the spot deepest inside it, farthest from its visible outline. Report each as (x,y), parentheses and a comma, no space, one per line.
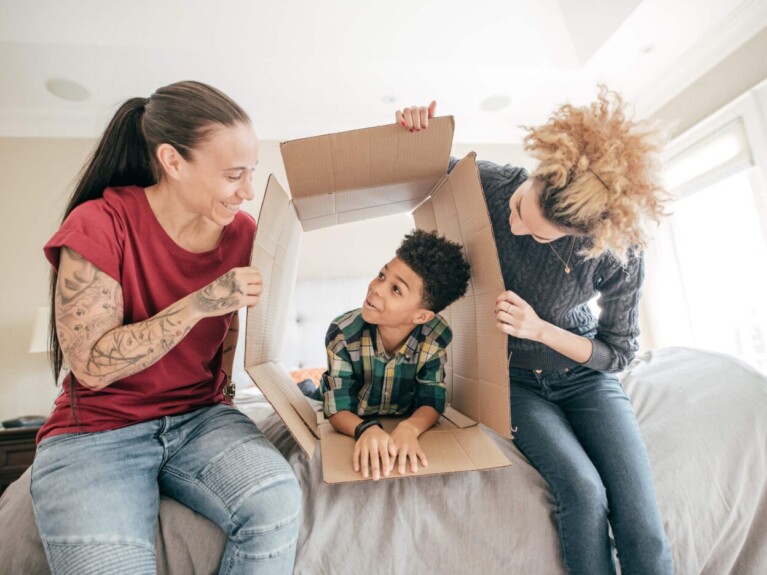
(615,343)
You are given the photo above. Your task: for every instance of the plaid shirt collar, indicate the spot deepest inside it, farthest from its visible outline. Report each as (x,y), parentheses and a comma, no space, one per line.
(407,349)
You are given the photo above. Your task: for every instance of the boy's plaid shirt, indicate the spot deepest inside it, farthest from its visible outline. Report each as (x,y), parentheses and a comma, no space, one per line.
(363,379)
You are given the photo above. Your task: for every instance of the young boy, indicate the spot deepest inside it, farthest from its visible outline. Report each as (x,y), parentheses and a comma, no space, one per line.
(388,357)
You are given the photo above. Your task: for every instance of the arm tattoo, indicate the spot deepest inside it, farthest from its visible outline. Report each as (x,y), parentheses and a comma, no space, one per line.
(219,295)
(89,317)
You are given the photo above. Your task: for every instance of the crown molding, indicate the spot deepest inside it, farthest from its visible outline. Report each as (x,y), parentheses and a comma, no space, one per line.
(720,42)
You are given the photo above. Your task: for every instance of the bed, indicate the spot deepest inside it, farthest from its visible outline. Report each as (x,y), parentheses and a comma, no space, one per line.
(703,416)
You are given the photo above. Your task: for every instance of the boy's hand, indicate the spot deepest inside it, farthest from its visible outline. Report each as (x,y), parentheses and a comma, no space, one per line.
(406,442)
(374,450)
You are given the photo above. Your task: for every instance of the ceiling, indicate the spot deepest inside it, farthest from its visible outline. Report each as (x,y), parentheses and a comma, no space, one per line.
(307,67)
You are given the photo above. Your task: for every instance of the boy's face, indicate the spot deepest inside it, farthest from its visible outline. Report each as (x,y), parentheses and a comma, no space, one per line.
(394,297)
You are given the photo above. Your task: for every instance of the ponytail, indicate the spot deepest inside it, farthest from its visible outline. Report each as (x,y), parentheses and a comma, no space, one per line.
(120,158)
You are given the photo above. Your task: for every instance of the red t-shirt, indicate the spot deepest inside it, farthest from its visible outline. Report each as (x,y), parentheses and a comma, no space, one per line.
(120,235)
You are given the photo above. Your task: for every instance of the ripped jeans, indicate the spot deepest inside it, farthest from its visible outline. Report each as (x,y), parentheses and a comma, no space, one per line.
(96,495)
(577,428)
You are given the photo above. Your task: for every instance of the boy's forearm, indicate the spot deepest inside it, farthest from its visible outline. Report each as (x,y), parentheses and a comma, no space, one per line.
(422,419)
(345,422)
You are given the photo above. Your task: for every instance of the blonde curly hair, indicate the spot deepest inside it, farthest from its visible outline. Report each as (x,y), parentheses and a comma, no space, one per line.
(599,174)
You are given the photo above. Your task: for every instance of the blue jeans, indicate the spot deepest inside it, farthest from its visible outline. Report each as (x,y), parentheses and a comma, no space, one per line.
(577,428)
(96,495)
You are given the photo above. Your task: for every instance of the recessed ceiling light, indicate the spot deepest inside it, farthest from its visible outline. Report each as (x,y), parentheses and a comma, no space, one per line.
(647,48)
(67,89)
(495,103)
(389,99)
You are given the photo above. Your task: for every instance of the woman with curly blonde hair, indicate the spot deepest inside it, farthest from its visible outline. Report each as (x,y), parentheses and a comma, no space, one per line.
(578,226)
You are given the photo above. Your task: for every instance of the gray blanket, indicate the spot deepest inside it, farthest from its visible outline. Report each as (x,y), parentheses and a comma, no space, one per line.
(704,419)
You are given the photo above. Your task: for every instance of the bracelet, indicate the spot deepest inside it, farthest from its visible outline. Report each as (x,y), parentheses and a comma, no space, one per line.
(360,429)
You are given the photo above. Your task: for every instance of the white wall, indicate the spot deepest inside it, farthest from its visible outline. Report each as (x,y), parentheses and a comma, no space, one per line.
(35,179)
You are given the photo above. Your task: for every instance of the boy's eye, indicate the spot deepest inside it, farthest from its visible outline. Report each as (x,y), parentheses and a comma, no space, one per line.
(233,178)
(380,275)
(396,290)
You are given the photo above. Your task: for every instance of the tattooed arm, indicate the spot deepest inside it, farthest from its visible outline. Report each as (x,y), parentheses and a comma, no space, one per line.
(89,319)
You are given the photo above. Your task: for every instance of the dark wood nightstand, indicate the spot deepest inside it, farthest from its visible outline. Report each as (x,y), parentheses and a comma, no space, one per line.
(17,450)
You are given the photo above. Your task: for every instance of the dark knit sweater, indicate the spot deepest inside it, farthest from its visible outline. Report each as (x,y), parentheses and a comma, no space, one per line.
(531,270)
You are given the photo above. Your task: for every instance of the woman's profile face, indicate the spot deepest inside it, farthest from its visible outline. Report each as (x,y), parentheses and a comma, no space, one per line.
(218,178)
(526,217)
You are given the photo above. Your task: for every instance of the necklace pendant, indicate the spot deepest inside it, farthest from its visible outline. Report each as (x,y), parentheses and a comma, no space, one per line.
(567,270)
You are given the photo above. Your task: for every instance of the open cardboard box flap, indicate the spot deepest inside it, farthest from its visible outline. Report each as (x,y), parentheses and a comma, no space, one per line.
(362,174)
(370,173)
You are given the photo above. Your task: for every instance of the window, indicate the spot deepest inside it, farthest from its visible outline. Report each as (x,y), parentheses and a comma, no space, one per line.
(707,269)
(722,257)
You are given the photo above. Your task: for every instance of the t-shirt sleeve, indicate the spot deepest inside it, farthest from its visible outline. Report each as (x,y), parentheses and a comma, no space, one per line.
(94,230)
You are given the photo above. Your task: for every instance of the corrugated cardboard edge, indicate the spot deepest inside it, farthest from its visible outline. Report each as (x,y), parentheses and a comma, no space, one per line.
(479,379)
(457,418)
(361,203)
(275,254)
(367,158)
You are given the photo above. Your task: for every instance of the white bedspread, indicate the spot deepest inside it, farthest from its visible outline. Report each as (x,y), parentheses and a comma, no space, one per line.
(704,420)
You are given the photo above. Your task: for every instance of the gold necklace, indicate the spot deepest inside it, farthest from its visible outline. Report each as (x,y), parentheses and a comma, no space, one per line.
(565,263)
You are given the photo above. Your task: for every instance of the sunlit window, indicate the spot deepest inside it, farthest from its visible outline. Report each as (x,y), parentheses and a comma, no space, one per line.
(707,267)
(722,258)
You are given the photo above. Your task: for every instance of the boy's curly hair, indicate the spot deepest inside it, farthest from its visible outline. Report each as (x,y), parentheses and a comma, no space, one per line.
(439,263)
(599,172)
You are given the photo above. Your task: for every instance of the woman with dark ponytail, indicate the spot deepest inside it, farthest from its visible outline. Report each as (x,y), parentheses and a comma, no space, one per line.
(151,264)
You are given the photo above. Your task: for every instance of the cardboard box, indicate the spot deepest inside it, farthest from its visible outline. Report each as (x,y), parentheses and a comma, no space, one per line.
(369,173)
